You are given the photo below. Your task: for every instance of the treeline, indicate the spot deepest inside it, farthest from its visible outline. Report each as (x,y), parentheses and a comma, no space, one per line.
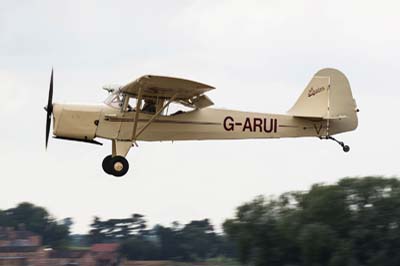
(355,222)
(194,241)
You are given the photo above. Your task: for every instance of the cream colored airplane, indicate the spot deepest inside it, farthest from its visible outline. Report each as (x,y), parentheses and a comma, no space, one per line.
(138,111)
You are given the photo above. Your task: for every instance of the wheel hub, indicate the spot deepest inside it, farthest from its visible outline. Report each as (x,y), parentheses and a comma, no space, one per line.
(118,166)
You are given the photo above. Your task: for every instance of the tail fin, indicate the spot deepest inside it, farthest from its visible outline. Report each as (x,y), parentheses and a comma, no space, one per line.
(328,96)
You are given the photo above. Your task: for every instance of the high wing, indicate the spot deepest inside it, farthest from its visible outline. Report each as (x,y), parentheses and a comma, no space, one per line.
(187,92)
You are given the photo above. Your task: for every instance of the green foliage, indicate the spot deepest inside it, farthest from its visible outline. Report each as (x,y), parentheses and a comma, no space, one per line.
(199,240)
(39,221)
(354,222)
(139,248)
(195,241)
(317,243)
(113,230)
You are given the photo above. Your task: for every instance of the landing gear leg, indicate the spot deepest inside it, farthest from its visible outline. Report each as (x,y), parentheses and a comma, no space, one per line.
(116,166)
(346,148)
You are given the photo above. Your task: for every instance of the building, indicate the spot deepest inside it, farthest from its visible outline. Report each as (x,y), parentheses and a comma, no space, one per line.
(105,254)
(19,247)
(68,258)
(24,248)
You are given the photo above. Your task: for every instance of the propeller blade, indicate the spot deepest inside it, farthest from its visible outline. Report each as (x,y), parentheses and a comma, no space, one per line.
(50,99)
(49,108)
(48,122)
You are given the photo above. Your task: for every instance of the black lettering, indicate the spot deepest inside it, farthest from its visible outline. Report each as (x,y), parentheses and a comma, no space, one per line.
(247,125)
(318,130)
(228,125)
(257,123)
(271,126)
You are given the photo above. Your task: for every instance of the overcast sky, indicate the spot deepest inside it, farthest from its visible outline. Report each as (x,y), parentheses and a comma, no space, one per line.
(258,54)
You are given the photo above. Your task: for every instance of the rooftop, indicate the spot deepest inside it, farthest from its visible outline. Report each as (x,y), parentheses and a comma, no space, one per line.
(105,247)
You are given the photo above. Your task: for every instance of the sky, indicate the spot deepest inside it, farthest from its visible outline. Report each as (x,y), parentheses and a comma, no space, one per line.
(259,55)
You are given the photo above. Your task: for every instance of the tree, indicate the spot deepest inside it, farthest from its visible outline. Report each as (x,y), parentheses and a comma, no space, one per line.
(116,229)
(192,242)
(139,248)
(353,222)
(199,240)
(37,220)
(171,243)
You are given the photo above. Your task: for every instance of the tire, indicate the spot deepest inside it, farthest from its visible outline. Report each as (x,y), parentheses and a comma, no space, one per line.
(107,164)
(346,148)
(119,166)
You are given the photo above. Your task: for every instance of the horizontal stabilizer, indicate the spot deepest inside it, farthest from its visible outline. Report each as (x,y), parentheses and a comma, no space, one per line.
(313,117)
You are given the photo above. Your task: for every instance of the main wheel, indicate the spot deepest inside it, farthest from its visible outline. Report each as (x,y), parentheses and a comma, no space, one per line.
(107,164)
(346,148)
(119,166)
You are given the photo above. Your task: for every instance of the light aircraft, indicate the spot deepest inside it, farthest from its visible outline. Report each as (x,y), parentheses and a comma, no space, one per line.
(138,111)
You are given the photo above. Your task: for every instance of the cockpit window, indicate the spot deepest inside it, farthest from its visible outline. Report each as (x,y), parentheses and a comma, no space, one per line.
(149,106)
(177,109)
(114,100)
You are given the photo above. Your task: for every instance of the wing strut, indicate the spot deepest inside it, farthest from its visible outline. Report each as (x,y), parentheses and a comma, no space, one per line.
(154,116)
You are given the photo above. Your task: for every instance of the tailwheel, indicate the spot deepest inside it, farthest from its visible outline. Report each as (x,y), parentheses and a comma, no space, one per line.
(346,148)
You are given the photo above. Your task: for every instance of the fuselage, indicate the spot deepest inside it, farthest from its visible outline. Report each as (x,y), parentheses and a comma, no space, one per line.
(86,122)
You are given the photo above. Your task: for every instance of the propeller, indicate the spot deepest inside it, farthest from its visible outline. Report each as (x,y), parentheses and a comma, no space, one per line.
(49,108)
